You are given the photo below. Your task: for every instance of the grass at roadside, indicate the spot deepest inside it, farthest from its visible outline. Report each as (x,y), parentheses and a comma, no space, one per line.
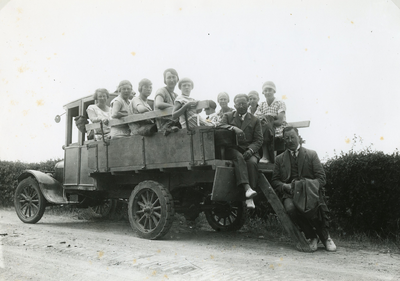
(362,241)
(272,229)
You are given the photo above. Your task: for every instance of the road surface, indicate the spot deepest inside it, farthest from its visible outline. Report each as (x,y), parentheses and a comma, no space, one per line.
(61,247)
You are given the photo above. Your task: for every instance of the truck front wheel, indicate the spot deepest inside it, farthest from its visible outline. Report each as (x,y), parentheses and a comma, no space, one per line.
(150,210)
(29,201)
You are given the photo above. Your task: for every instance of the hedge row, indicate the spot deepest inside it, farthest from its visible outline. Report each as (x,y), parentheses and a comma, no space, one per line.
(9,172)
(363,190)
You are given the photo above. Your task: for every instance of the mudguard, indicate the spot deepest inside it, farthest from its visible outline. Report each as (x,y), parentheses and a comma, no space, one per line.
(51,189)
(224,187)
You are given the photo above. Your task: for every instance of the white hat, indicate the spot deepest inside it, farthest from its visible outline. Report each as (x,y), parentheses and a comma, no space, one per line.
(269,84)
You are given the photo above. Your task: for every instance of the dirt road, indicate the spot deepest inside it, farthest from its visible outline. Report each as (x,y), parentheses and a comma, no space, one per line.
(65,248)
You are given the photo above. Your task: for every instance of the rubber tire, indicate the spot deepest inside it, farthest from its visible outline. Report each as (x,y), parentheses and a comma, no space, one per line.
(30,188)
(105,210)
(227,207)
(165,205)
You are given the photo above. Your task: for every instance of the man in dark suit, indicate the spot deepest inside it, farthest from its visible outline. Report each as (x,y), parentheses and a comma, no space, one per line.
(297,165)
(244,156)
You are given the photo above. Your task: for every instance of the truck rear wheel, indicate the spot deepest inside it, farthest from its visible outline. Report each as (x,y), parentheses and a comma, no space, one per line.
(29,201)
(225,216)
(150,210)
(105,209)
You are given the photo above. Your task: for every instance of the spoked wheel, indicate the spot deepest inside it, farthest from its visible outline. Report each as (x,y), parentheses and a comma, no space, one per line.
(225,216)
(104,209)
(150,210)
(29,201)
(121,210)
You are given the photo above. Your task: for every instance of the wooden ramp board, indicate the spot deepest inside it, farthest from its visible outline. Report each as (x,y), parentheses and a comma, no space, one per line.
(276,204)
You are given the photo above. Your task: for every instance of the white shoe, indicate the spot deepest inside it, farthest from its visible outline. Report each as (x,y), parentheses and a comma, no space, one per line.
(250,204)
(264,161)
(329,245)
(314,244)
(250,193)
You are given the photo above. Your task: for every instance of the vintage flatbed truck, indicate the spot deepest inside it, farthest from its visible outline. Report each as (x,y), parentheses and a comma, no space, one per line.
(157,176)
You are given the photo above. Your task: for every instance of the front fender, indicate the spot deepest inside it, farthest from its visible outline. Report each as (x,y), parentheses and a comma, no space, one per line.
(51,189)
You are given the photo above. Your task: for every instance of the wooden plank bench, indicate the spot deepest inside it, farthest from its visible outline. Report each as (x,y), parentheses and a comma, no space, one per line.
(147,115)
(299,124)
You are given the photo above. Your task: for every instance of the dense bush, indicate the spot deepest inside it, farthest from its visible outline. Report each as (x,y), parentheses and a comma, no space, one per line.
(363,190)
(9,172)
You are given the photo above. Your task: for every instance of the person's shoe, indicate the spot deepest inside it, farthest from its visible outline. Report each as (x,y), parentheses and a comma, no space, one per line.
(329,245)
(174,129)
(264,160)
(314,244)
(300,248)
(250,204)
(250,193)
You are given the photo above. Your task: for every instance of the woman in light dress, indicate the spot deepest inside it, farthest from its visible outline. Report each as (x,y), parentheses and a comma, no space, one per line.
(223,100)
(100,112)
(254,107)
(272,113)
(140,105)
(120,108)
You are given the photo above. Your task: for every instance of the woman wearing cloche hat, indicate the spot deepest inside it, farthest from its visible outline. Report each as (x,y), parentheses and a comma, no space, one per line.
(272,112)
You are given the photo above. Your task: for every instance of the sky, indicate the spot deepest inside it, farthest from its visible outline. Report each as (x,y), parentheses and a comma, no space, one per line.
(334,63)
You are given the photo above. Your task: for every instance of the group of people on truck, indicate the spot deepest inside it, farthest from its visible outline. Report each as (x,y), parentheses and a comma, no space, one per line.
(298,175)
(271,112)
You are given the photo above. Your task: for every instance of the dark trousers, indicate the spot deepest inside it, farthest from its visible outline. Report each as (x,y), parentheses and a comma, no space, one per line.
(310,227)
(268,131)
(246,171)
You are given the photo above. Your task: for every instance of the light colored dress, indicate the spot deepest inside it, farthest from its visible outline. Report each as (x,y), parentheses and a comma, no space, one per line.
(168,97)
(96,114)
(135,126)
(193,118)
(121,130)
(273,109)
